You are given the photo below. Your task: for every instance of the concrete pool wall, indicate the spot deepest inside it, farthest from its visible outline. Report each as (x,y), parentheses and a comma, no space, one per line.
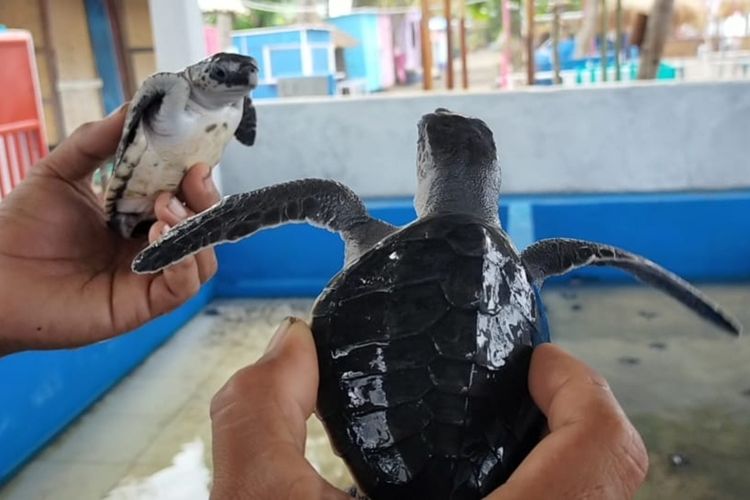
(646,137)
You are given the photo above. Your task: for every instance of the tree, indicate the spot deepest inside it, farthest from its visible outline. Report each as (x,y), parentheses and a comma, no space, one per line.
(657,30)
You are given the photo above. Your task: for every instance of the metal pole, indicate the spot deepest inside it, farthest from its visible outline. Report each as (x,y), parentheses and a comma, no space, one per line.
(603,47)
(464,48)
(449,43)
(426,45)
(618,41)
(530,63)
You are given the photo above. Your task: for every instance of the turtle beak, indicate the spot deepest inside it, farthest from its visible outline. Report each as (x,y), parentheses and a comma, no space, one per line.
(249,67)
(249,64)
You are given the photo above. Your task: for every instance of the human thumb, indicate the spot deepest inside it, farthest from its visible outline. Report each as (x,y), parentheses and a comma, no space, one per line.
(278,390)
(292,358)
(259,422)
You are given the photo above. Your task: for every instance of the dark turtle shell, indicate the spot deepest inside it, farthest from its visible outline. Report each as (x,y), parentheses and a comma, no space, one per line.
(424,346)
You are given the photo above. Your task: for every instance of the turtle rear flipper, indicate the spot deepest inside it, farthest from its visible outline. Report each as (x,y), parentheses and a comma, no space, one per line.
(554,257)
(321,202)
(133,217)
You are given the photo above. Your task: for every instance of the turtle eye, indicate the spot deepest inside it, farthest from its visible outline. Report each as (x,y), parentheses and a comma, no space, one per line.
(220,74)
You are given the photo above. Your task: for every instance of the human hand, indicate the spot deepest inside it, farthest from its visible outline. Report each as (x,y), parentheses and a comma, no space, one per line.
(258,419)
(592,449)
(65,277)
(259,424)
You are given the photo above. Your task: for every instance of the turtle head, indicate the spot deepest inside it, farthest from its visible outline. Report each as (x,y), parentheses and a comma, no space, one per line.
(222,78)
(457,166)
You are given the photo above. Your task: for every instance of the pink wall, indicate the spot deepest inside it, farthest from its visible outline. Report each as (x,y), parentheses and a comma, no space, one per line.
(406,50)
(413,53)
(211,36)
(388,74)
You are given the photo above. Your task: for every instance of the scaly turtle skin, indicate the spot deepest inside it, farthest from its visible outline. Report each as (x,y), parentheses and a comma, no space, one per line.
(175,121)
(424,338)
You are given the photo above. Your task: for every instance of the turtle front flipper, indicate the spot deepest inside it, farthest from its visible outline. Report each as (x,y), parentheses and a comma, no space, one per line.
(554,257)
(321,202)
(245,132)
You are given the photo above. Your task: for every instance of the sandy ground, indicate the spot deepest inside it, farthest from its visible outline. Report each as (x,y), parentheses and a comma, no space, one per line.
(683,384)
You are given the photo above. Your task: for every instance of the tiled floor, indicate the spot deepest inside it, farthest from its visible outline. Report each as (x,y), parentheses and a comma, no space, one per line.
(684,385)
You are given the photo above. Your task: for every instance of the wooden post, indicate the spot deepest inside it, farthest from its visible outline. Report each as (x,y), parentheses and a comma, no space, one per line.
(51,58)
(603,47)
(638,30)
(224,22)
(556,41)
(657,30)
(530,63)
(464,48)
(448,42)
(588,29)
(122,48)
(618,41)
(426,45)
(505,71)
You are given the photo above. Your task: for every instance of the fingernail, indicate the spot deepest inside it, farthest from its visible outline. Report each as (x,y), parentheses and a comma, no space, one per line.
(165,229)
(118,110)
(177,209)
(280,334)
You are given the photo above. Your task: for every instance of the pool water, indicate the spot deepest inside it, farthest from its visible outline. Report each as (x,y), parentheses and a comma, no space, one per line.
(683,383)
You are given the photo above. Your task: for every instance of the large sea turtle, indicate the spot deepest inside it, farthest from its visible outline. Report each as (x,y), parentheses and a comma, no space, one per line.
(424,338)
(176,120)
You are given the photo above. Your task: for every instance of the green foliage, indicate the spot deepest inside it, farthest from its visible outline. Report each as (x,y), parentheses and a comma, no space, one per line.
(258,19)
(545,6)
(490,12)
(384,3)
(253,19)
(487,13)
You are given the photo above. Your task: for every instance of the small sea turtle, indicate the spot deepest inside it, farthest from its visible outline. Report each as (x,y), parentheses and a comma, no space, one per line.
(176,120)
(424,339)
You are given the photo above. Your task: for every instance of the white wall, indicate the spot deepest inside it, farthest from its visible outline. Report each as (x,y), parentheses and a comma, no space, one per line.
(178,40)
(643,137)
(178,33)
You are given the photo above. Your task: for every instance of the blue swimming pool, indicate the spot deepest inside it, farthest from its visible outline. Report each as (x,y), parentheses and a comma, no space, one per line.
(704,237)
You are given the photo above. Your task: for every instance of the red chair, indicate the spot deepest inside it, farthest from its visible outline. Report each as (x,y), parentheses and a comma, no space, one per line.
(22,132)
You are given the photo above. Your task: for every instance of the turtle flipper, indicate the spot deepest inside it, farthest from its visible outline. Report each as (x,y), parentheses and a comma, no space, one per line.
(554,257)
(323,203)
(245,132)
(147,101)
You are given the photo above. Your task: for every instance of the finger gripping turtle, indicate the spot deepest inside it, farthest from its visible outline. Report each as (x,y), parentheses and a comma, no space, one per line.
(424,339)
(175,121)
